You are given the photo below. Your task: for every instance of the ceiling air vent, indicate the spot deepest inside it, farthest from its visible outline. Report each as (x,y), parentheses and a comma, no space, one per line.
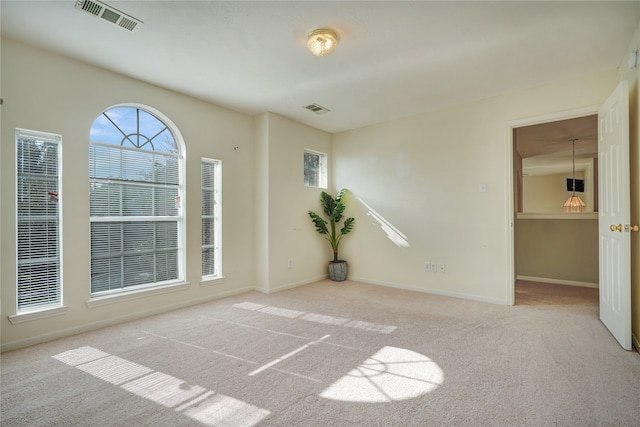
(108,13)
(318,109)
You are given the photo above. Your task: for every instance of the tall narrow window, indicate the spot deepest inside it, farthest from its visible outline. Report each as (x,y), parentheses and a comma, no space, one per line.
(211,188)
(315,169)
(39,257)
(136,189)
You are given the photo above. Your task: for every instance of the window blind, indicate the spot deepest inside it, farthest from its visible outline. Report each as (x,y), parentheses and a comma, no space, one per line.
(135,215)
(210,173)
(38,220)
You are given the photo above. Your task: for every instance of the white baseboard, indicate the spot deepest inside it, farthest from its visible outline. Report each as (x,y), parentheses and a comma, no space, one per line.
(558,281)
(15,345)
(133,316)
(429,291)
(271,290)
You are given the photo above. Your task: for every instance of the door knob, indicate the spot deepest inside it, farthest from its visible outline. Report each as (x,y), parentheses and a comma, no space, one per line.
(626,228)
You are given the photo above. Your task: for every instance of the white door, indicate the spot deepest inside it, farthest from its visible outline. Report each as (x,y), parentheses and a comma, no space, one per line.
(613,220)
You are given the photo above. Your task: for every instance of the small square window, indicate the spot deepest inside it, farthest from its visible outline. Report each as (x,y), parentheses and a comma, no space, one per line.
(315,169)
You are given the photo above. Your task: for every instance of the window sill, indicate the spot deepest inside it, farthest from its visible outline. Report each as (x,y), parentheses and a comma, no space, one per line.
(211,281)
(132,295)
(37,315)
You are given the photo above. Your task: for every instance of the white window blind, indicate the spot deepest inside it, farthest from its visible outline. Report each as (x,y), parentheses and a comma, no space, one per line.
(135,205)
(39,257)
(211,225)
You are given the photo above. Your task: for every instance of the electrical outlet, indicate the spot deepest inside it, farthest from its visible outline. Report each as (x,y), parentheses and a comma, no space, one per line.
(290,263)
(442,268)
(427,267)
(434,267)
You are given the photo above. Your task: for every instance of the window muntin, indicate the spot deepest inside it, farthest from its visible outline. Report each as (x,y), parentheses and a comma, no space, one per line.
(39,257)
(136,189)
(211,221)
(315,169)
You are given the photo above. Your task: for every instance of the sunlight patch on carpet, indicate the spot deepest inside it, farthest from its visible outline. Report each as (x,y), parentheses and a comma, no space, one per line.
(391,374)
(286,356)
(196,402)
(317,318)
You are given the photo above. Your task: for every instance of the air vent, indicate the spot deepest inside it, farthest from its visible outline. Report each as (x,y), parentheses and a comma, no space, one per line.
(109,14)
(318,109)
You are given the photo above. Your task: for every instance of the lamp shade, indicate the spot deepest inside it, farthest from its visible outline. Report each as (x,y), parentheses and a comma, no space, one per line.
(322,42)
(574,204)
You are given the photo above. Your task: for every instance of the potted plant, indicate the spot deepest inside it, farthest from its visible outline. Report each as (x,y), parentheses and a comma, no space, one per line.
(333,208)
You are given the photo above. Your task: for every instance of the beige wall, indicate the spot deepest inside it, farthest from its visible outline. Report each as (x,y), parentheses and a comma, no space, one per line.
(420,176)
(547,193)
(560,250)
(414,184)
(46,92)
(632,76)
(284,230)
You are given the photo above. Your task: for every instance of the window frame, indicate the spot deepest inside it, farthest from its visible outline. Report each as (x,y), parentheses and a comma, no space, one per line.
(321,171)
(31,310)
(215,213)
(180,201)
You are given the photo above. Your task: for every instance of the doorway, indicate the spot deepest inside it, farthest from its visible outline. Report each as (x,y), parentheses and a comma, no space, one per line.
(613,217)
(565,250)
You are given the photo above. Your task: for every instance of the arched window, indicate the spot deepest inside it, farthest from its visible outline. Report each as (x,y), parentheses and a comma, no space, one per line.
(136,186)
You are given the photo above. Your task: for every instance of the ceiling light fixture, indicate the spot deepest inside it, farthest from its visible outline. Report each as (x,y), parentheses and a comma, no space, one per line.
(574,203)
(322,42)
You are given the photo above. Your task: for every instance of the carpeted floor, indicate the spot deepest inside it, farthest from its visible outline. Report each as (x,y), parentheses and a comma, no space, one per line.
(336,354)
(548,294)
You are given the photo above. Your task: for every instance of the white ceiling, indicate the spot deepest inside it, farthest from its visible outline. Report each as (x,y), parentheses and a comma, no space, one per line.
(395,59)
(548,148)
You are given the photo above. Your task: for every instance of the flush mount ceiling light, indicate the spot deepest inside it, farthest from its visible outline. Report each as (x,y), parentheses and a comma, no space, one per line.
(322,42)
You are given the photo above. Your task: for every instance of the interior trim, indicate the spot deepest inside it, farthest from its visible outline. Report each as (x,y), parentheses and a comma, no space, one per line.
(558,281)
(142,293)
(568,215)
(37,315)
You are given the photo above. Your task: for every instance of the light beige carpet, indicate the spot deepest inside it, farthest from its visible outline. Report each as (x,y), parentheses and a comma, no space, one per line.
(336,354)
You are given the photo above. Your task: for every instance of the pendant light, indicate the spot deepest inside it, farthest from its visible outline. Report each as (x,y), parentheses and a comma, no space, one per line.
(574,203)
